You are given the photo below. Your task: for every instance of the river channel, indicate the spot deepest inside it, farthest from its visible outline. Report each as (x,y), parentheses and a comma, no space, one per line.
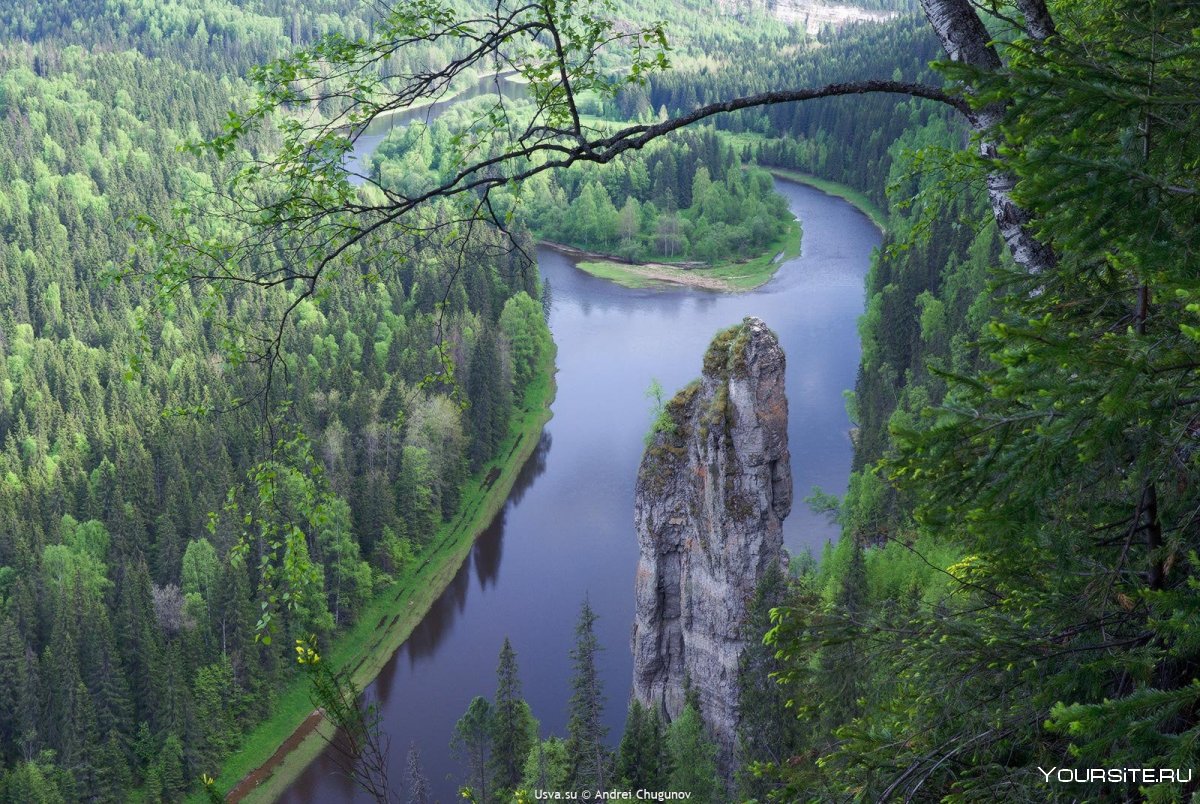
(566,532)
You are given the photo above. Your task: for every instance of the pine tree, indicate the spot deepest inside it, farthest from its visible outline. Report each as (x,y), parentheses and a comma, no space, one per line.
(590,759)
(112,771)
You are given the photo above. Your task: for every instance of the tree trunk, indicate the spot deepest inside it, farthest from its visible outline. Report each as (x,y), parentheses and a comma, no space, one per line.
(1038,22)
(966,40)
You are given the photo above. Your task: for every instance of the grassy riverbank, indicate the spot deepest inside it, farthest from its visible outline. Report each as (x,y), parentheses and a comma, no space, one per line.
(274,754)
(727,277)
(859,200)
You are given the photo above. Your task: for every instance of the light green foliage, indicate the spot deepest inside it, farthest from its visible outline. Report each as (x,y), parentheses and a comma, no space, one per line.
(933,316)
(200,568)
(716,212)
(548,766)
(290,498)
(661,420)
(349,577)
(64,568)
(528,340)
(397,549)
(693,759)
(36,781)
(472,743)
(88,538)
(822,502)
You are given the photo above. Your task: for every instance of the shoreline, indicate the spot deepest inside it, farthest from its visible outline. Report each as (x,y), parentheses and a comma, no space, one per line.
(855,198)
(723,277)
(284,744)
(280,756)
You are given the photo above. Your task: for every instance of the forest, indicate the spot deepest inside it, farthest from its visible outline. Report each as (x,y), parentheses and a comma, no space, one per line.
(189,496)
(128,637)
(687,198)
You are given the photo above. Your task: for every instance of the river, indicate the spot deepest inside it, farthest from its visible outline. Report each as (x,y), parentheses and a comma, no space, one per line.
(566,531)
(357,163)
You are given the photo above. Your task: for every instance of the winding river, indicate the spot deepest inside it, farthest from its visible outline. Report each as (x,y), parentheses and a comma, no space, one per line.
(566,531)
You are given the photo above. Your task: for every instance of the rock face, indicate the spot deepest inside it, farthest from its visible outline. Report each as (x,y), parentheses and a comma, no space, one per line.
(713,489)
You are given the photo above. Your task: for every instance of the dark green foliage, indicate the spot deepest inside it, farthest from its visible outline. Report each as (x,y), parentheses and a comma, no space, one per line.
(842,139)
(589,757)
(1030,596)
(514,731)
(218,710)
(113,579)
(491,400)
(642,759)
(17,698)
(769,731)
(170,769)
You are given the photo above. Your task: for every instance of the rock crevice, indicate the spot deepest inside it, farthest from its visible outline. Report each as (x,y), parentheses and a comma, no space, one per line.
(712,491)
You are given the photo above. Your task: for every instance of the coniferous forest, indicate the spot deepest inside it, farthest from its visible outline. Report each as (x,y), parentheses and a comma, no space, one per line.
(251,412)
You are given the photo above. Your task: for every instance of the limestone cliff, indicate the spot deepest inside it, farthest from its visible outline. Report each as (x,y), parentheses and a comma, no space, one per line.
(713,489)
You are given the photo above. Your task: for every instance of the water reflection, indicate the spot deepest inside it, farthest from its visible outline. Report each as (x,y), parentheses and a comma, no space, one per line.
(567,528)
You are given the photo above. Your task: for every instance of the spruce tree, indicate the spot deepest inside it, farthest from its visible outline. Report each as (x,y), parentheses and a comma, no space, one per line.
(514,730)
(590,759)
(13,688)
(642,759)
(768,731)
(840,670)
(490,399)
(170,769)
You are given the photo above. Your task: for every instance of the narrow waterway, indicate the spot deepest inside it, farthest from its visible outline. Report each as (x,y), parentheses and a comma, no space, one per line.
(358,162)
(566,531)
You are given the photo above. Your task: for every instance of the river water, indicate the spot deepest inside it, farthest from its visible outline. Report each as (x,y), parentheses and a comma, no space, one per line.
(566,532)
(358,161)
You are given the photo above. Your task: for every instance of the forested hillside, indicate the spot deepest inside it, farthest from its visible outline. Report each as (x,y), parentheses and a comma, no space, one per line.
(683,198)
(1015,585)
(209,473)
(128,650)
(138,637)
(136,646)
